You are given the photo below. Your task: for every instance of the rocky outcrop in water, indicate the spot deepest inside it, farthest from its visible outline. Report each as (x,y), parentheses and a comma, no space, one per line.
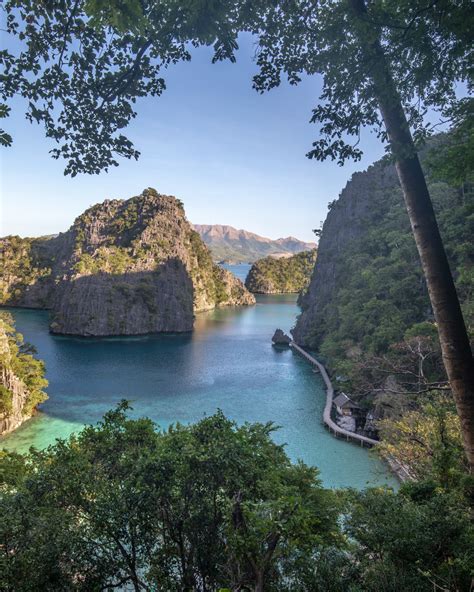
(21,378)
(281,338)
(123,268)
(282,275)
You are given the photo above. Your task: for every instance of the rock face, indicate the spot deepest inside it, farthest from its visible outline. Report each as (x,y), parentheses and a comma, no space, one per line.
(14,417)
(280,338)
(123,268)
(21,379)
(281,275)
(348,220)
(240,246)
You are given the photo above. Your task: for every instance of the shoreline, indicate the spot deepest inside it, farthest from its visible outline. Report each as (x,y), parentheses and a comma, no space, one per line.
(395,467)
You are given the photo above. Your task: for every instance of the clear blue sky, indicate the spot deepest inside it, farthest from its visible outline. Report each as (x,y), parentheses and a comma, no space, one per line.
(233,156)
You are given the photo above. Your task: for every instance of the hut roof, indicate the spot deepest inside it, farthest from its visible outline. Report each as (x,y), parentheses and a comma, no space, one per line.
(342,400)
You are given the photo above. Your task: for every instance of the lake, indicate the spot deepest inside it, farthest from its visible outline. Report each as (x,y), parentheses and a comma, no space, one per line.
(227,363)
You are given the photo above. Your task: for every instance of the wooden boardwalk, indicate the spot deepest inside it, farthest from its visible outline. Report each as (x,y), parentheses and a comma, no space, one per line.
(396,467)
(332,425)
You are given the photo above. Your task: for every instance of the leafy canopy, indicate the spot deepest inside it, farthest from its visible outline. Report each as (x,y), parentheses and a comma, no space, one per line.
(193,508)
(83,65)
(215,506)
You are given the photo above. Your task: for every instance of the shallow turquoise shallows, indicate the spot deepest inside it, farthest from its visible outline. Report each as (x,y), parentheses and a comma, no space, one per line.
(228,363)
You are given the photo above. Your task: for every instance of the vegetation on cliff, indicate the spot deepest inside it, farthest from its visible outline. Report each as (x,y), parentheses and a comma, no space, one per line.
(214,506)
(281,274)
(124,267)
(23,262)
(22,380)
(367,310)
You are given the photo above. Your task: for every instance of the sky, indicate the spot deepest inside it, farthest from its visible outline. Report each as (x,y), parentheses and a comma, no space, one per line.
(233,156)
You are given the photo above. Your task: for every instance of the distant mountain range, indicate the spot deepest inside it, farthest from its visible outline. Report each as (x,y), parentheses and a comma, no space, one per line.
(240,246)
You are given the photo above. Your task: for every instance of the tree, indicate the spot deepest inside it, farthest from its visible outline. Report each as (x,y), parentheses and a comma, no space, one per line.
(381,62)
(82,65)
(195,508)
(18,365)
(453,162)
(214,506)
(383,65)
(426,441)
(455,346)
(417,540)
(410,367)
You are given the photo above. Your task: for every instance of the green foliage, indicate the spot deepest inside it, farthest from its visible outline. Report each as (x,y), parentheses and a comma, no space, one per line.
(200,250)
(128,218)
(22,263)
(111,259)
(204,505)
(5,138)
(221,293)
(6,400)
(102,75)
(427,441)
(418,540)
(330,38)
(218,507)
(122,15)
(93,75)
(380,299)
(282,274)
(209,276)
(452,159)
(18,364)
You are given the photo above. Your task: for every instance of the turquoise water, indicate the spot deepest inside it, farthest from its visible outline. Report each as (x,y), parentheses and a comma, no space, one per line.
(227,362)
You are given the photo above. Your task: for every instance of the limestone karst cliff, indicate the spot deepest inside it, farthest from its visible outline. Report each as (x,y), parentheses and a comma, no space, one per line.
(125,267)
(280,275)
(368,296)
(21,378)
(360,205)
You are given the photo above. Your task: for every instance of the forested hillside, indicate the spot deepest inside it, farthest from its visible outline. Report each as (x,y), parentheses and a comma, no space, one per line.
(367,310)
(279,275)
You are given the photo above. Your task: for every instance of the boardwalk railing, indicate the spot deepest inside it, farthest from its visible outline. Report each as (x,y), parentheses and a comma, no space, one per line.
(332,425)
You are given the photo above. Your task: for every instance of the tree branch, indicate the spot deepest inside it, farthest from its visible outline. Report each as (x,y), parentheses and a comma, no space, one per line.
(125,79)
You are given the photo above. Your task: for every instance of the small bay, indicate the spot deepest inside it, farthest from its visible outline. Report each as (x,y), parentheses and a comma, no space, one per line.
(228,362)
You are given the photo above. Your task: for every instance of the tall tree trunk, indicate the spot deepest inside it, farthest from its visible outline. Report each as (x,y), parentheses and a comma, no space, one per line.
(455,346)
(259,581)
